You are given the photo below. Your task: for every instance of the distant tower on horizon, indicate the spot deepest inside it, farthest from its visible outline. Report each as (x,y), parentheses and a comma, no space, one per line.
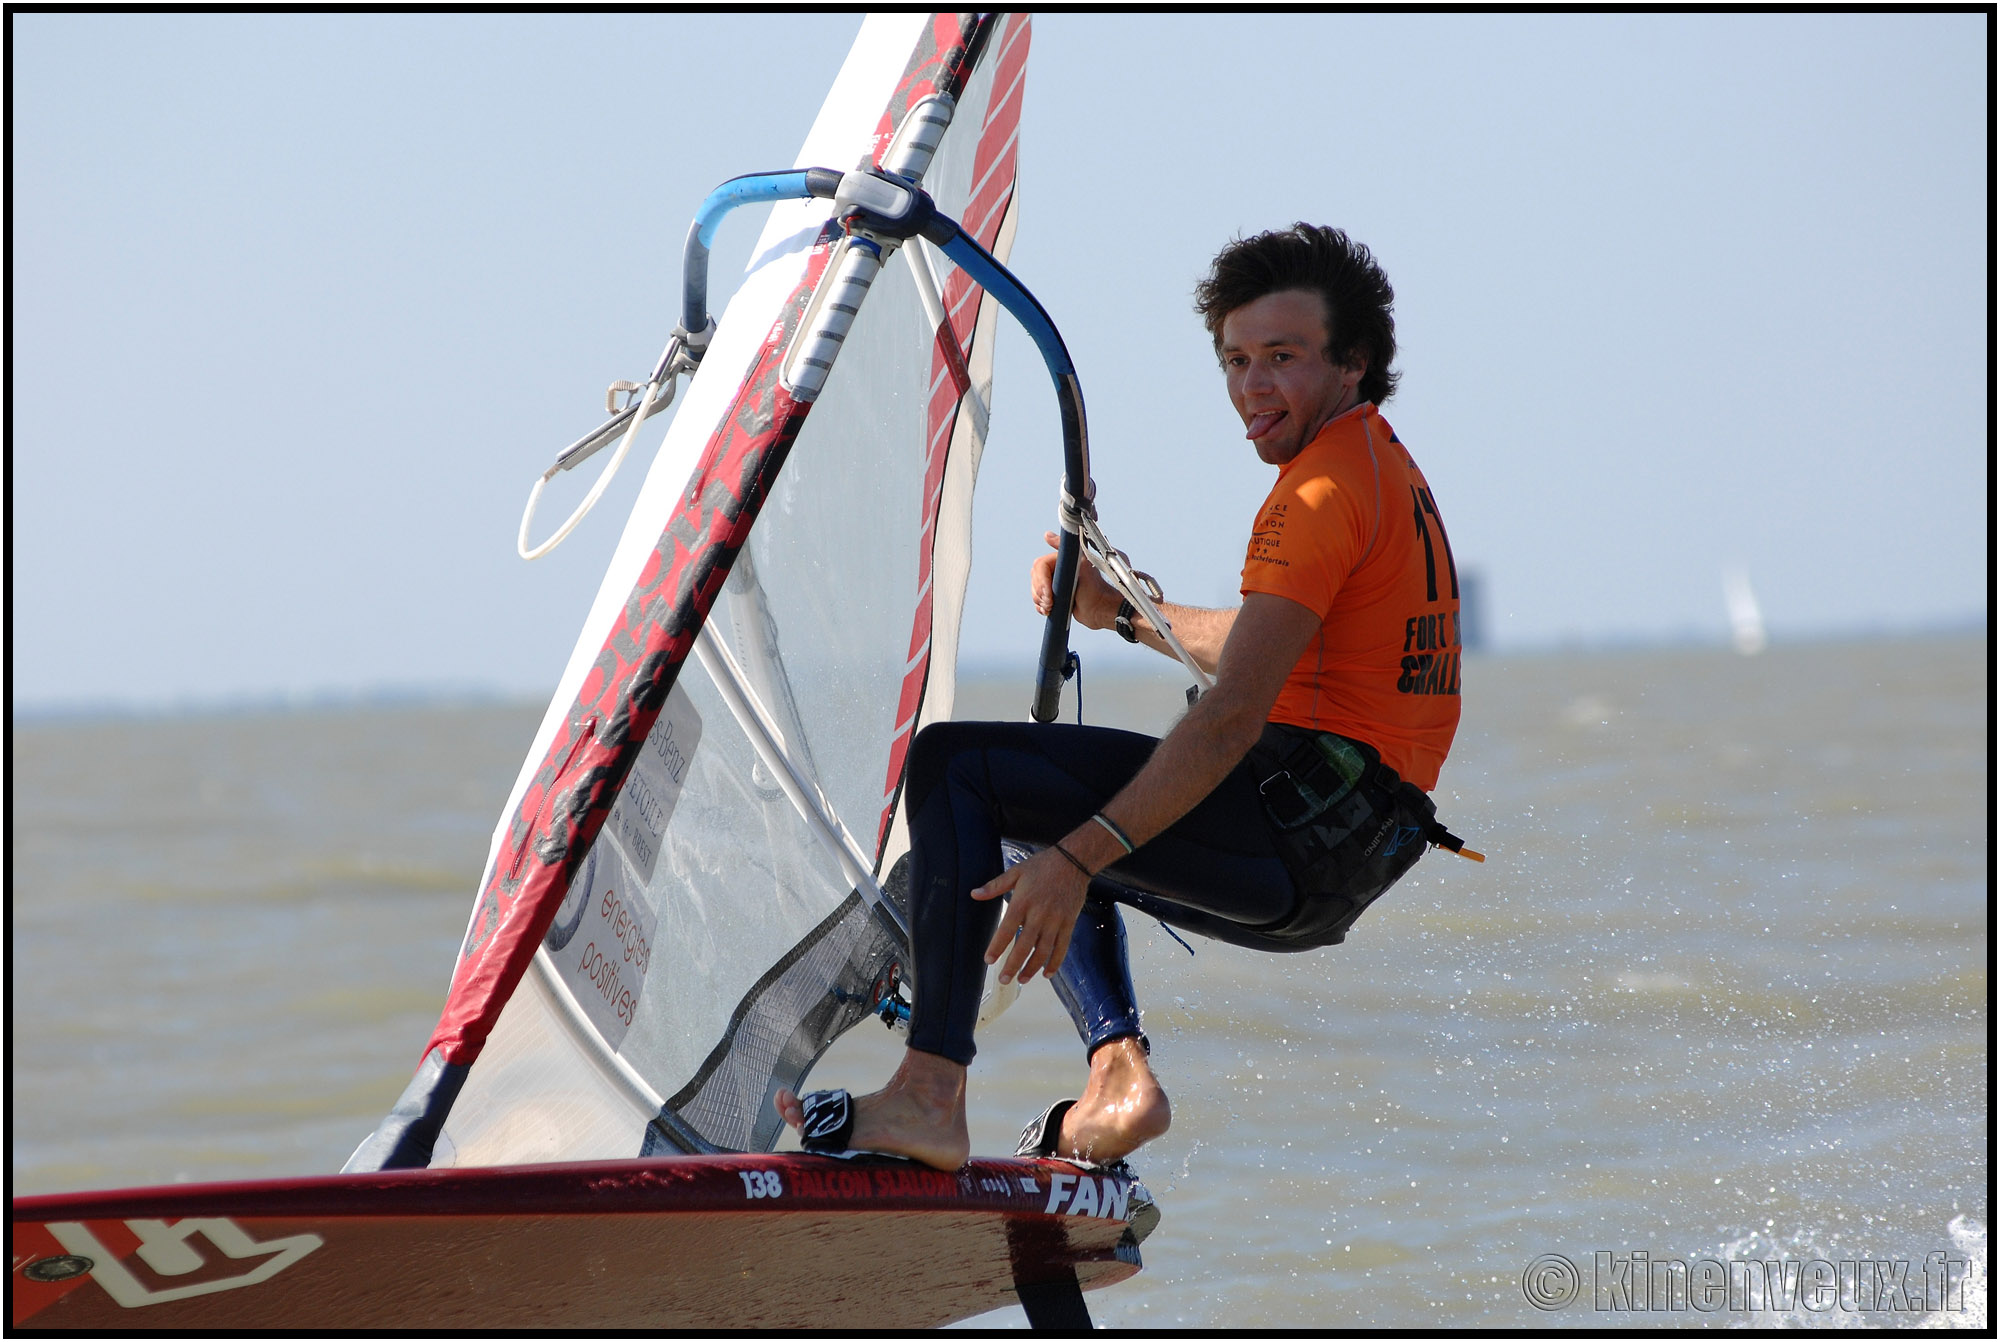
(1472,609)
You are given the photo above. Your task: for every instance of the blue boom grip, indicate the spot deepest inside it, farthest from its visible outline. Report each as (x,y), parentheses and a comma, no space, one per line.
(995,278)
(751,189)
(986,271)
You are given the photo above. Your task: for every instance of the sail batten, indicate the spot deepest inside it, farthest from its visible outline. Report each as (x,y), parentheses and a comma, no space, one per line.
(812,804)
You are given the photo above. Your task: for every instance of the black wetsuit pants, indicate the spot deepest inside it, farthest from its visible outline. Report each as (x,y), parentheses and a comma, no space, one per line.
(1215,871)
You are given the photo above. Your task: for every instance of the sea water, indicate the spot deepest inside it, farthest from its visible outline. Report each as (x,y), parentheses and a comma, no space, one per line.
(1717,999)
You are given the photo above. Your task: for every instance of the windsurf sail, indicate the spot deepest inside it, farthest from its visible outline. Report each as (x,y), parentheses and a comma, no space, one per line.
(695,886)
(1746,617)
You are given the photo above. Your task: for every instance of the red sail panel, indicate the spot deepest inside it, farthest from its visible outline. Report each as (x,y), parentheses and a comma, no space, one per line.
(993,167)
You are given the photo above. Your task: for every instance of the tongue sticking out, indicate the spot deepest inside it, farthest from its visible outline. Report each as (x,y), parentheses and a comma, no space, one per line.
(1262,423)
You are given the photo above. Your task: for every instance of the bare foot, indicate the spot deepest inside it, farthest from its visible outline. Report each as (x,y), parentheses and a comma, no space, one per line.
(919,1114)
(1122,1108)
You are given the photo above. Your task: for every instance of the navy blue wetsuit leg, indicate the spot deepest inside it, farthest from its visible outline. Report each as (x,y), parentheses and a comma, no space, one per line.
(1094,981)
(1214,871)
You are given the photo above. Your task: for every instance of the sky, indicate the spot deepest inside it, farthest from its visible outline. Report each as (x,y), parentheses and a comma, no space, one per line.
(301,305)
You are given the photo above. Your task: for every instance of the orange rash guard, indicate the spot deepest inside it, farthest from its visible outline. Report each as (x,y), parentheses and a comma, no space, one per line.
(1350,532)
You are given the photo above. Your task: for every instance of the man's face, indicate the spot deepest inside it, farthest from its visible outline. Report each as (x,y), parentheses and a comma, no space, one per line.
(1280,380)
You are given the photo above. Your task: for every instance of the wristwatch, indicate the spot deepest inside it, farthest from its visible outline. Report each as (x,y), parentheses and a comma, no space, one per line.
(1123,624)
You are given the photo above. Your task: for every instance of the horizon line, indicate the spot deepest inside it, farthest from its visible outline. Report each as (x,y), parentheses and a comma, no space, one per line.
(1120,664)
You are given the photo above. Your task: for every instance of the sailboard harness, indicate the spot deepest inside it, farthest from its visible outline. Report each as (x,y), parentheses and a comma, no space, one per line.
(881,209)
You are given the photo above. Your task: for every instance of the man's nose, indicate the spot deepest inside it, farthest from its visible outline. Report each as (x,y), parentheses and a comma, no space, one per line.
(1257,377)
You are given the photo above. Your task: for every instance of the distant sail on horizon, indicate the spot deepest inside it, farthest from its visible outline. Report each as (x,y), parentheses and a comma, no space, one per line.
(1746,618)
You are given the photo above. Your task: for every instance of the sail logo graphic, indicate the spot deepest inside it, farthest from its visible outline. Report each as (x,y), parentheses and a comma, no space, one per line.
(638,819)
(167,1250)
(602,937)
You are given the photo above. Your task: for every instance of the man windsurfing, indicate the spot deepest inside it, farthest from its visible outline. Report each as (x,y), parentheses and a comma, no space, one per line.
(1286,800)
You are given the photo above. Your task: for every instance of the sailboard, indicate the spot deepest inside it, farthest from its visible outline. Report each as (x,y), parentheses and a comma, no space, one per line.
(746,1241)
(697,881)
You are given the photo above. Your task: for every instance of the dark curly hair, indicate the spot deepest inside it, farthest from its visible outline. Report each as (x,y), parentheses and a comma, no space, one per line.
(1359,302)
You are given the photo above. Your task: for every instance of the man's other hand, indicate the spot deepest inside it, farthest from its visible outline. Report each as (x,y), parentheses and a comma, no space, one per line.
(1096,604)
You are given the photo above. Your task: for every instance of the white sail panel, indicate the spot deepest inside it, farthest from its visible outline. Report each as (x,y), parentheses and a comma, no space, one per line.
(743,946)
(545,1091)
(838,138)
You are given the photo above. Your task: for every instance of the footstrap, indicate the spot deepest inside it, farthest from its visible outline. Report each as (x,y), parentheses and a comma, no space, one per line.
(829,1121)
(1039,1138)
